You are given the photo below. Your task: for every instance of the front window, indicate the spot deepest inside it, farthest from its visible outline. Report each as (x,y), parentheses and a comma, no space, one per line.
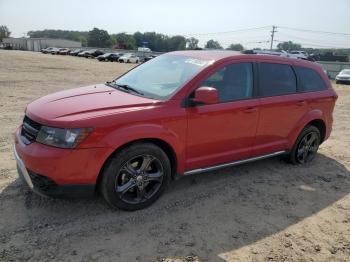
(161,77)
(233,82)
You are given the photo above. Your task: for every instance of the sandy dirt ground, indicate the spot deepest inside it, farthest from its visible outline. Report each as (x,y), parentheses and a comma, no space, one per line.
(262,211)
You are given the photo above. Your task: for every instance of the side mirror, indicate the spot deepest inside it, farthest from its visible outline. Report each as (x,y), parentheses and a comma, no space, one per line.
(206,95)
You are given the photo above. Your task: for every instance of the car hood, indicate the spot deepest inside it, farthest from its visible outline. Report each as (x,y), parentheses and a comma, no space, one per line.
(83,103)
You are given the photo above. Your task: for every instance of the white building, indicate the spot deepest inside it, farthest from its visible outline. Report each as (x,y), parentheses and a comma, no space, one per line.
(36,44)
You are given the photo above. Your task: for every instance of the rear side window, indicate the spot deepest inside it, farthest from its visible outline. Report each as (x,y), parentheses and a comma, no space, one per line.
(276,80)
(309,79)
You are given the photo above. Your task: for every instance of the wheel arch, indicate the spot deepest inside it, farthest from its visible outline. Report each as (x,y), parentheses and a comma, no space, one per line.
(165,146)
(315,118)
(321,126)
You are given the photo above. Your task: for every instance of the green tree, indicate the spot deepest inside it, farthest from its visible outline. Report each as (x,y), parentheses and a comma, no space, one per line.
(212,44)
(123,41)
(61,34)
(235,47)
(288,46)
(138,39)
(176,43)
(98,38)
(192,43)
(83,40)
(4,32)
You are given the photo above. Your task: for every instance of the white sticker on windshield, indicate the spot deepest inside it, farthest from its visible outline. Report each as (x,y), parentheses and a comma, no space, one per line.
(196,62)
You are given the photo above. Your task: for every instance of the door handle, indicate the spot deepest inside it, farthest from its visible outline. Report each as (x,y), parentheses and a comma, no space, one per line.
(302,103)
(250,110)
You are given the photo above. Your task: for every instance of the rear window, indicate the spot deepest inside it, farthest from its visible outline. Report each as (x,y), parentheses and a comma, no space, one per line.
(309,79)
(276,79)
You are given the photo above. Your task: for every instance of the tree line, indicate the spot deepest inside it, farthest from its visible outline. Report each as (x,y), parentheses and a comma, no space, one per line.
(155,41)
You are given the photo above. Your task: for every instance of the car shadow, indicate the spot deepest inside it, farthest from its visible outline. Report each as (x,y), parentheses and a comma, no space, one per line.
(207,215)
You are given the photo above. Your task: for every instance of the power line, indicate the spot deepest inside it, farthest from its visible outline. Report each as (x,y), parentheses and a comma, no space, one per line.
(312,44)
(302,38)
(229,32)
(315,31)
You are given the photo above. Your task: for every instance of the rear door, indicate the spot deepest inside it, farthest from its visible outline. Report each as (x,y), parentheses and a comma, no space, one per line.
(224,132)
(281,106)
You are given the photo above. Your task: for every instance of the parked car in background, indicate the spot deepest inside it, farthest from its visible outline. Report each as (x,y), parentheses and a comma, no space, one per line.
(93,53)
(47,50)
(343,76)
(144,49)
(181,113)
(56,51)
(129,58)
(82,53)
(64,51)
(75,52)
(299,54)
(112,57)
(147,58)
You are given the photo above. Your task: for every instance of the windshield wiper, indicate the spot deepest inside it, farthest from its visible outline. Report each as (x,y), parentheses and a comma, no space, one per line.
(125,87)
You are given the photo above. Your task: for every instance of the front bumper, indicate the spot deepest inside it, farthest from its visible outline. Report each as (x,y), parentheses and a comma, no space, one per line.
(345,80)
(46,187)
(54,171)
(22,171)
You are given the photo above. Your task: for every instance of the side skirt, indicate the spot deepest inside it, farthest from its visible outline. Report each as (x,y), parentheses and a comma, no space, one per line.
(235,163)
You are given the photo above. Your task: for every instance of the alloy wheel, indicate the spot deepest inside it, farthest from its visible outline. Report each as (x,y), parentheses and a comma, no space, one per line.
(307,147)
(139,179)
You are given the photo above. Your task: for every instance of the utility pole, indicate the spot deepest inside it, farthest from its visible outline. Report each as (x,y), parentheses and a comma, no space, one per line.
(272,35)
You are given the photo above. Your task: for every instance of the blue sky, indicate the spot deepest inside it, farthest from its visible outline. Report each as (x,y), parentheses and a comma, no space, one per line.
(190,18)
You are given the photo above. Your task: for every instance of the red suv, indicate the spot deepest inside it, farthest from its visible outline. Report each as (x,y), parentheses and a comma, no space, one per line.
(178,114)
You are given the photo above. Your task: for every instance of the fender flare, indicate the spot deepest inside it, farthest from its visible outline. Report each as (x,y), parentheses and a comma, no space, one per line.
(310,116)
(128,134)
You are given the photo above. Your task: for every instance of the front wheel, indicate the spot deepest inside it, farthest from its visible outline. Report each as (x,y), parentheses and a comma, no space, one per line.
(306,146)
(135,177)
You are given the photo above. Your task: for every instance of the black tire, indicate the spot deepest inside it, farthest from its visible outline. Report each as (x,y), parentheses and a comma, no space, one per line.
(128,61)
(138,187)
(337,82)
(306,146)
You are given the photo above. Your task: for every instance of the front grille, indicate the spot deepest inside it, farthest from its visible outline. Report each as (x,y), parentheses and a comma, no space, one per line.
(30,130)
(42,183)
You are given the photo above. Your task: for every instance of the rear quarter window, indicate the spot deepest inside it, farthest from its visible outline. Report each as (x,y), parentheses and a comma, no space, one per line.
(276,80)
(310,80)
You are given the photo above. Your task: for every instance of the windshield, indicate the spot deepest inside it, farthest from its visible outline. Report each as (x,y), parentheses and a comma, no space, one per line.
(160,77)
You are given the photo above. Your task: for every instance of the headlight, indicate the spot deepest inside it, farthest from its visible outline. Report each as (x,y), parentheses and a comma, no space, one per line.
(62,137)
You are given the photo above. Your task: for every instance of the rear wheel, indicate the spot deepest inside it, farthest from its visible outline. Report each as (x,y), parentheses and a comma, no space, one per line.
(135,177)
(306,146)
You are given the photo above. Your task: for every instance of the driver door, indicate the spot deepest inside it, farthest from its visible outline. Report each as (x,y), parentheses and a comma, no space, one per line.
(223,132)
